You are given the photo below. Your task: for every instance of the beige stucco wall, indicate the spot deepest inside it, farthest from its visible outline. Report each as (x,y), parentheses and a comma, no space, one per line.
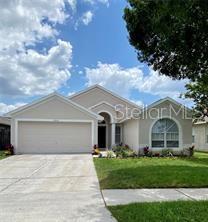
(4,120)
(53,109)
(150,117)
(200,132)
(96,95)
(131,134)
(118,109)
(105,108)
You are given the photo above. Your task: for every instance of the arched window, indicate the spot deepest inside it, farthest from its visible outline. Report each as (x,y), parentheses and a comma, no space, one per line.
(165,134)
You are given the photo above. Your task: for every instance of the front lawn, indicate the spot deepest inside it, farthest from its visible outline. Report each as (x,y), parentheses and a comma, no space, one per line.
(186,211)
(153,172)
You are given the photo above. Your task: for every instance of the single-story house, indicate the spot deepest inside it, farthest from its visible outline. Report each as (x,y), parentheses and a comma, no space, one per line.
(58,124)
(200,135)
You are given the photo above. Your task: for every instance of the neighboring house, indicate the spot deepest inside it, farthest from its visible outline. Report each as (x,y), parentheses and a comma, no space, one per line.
(4,132)
(57,124)
(5,121)
(200,135)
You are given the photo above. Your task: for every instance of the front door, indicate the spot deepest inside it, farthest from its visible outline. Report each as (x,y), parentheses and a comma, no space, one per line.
(102,136)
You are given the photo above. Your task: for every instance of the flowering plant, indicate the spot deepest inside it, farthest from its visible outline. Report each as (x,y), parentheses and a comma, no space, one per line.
(146,150)
(9,149)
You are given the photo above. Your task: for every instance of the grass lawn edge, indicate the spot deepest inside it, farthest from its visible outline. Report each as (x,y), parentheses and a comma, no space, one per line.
(153,172)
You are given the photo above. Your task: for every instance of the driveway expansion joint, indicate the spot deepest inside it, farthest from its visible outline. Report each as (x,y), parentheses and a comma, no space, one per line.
(11,184)
(103,198)
(38,169)
(180,191)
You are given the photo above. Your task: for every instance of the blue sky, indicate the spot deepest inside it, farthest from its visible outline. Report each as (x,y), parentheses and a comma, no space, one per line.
(71,45)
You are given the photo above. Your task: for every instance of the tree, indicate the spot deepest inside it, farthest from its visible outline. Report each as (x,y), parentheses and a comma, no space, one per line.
(198,92)
(170,35)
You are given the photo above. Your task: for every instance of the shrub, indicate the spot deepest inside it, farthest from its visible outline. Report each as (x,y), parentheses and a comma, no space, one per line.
(7,153)
(110,154)
(119,150)
(167,152)
(95,150)
(9,149)
(123,154)
(124,151)
(191,151)
(157,154)
(146,150)
(150,154)
(132,153)
(188,151)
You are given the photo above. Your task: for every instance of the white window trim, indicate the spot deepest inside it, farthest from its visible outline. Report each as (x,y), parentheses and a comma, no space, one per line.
(180,138)
(16,122)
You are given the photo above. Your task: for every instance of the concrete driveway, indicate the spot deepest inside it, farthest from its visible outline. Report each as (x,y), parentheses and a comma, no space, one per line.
(52,188)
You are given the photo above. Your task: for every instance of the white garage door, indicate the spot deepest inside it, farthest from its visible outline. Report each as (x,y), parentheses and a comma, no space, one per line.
(49,137)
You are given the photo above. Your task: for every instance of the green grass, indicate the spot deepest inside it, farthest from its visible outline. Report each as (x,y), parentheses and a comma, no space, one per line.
(2,155)
(153,172)
(180,211)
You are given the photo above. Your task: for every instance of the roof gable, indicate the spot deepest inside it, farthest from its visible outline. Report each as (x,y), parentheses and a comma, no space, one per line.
(167,99)
(48,98)
(106,91)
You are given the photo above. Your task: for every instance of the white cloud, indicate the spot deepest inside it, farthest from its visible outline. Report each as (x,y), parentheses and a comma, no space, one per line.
(33,73)
(105,2)
(161,85)
(114,77)
(138,102)
(71,93)
(122,81)
(73,4)
(92,2)
(86,18)
(25,71)
(4,108)
(25,22)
